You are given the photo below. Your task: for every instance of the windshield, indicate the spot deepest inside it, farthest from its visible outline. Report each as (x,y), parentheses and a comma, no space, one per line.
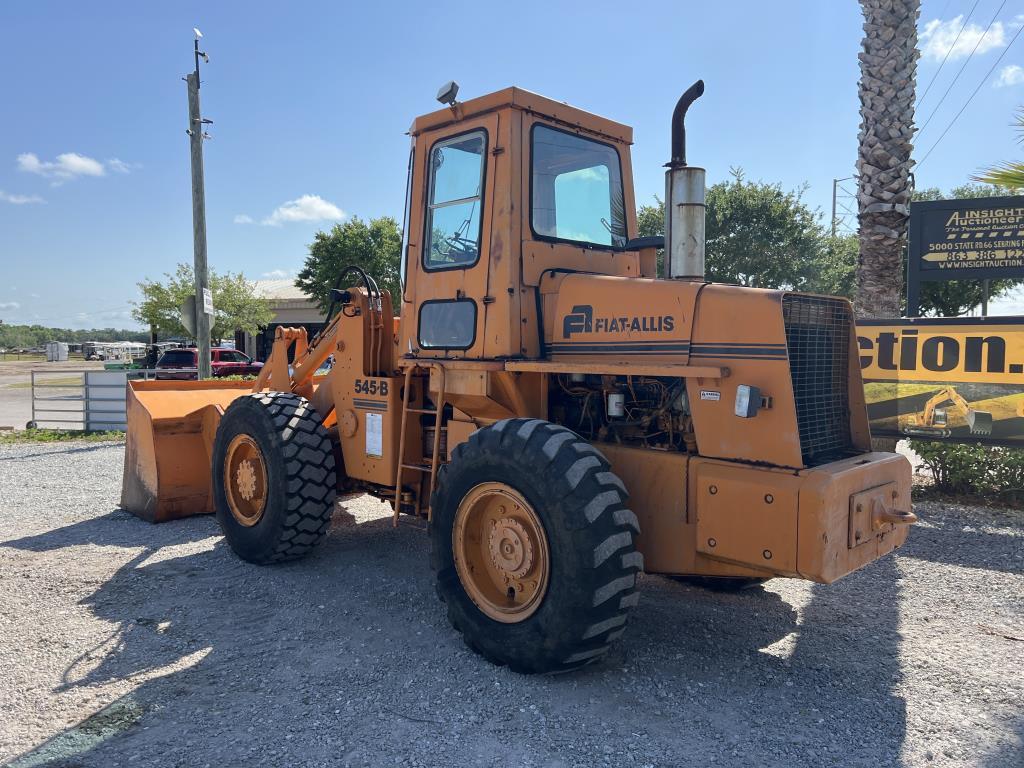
(576,189)
(453,211)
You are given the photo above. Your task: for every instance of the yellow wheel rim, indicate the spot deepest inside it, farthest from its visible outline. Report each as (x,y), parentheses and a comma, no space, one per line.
(501,552)
(245,480)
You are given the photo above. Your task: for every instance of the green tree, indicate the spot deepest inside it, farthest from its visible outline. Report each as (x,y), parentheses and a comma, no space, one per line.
(761,236)
(376,246)
(952,298)
(235,303)
(23,336)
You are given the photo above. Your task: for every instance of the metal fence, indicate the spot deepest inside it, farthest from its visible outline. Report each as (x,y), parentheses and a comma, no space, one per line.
(85,400)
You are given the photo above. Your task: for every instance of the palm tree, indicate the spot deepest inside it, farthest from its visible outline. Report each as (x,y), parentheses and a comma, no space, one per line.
(888,66)
(1010,175)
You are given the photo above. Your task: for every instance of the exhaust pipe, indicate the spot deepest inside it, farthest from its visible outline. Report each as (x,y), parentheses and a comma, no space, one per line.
(684,200)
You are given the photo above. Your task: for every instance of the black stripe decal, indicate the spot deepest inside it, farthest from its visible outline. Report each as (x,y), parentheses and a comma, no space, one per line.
(371,405)
(638,342)
(738,357)
(736,345)
(619,347)
(745,351)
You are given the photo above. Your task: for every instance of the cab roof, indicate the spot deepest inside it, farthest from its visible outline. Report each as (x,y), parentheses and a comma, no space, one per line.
(519,98)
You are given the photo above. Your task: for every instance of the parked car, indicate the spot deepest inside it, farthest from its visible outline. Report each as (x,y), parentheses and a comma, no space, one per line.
(224,362)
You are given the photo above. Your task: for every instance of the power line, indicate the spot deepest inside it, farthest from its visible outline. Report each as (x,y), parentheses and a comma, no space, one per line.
(962,68)
(973,94)
(955,41)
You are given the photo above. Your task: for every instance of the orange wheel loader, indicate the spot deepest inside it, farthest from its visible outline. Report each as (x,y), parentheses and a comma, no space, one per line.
(559,414)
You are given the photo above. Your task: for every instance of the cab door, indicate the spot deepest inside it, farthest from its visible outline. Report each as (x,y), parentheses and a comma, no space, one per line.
(449,257)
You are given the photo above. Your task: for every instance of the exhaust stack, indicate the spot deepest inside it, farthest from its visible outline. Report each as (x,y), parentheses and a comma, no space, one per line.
(684,200)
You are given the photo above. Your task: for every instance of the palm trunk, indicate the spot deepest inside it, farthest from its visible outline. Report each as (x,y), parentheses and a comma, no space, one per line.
(888,65)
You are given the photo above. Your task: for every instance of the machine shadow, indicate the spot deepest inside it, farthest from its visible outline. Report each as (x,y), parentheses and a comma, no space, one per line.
(855,692)
(209,640)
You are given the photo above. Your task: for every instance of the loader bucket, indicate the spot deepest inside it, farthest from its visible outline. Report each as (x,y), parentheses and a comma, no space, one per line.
(171,427)
(980,422)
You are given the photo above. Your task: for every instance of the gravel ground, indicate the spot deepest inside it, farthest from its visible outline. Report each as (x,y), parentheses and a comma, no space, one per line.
(127,643)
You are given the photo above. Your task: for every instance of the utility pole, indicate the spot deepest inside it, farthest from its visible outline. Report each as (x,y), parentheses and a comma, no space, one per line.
(835,188)
(835,183)
(196,132)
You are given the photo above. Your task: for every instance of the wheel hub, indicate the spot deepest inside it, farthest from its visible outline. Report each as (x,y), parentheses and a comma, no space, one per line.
(511,550)
(246,478)
(501,552)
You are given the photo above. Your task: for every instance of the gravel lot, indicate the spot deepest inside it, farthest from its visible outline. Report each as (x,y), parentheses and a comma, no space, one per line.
(127,643)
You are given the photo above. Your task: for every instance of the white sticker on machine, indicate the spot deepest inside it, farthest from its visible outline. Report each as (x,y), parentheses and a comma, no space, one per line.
(375,435)
(710,394)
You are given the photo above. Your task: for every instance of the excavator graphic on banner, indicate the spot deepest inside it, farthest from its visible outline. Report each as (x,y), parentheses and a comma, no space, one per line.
(933,420)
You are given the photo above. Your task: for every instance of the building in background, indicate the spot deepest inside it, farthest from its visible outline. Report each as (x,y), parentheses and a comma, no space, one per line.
(291,307)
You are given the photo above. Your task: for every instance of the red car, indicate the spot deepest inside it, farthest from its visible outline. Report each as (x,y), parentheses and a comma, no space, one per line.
(224,362)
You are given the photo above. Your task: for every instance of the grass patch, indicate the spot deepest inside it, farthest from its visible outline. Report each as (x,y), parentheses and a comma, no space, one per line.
(59,436)
(64,381)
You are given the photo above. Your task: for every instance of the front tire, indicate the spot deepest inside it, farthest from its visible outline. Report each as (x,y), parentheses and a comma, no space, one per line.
(533,547)
(274,480)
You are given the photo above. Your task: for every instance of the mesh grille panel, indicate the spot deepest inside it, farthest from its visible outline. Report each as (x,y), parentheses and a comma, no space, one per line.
(818,338)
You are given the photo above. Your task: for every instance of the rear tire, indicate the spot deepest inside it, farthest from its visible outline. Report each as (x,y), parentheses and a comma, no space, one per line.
(274,480)
(586,535)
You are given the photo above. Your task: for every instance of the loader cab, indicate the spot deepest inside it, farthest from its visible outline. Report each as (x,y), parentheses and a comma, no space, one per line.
(507,192)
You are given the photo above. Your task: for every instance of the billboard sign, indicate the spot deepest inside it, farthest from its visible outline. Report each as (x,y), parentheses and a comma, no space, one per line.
(945,378)
(968,239)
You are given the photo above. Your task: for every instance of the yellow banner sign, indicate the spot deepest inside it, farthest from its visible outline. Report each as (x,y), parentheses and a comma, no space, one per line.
(945,378)
(955,350)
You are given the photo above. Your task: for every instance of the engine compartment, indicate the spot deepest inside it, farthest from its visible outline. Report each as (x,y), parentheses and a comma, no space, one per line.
(643,411)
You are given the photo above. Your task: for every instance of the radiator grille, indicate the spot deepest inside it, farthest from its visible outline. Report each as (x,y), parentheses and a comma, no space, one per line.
(818,338)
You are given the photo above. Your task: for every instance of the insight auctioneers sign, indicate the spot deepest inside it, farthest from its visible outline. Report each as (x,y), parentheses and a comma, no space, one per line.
(956,379)
(967,239)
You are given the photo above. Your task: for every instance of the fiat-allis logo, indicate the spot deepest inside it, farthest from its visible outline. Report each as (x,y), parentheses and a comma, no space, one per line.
(581,320)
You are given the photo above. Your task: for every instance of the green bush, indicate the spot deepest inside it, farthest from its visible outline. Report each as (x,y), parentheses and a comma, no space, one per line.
(982,470)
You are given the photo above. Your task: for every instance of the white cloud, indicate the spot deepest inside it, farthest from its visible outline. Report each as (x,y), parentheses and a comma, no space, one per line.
(1009,76)
(938,36)
(306,208)
(277,274)
(120,166)
(71,165)
(20,199)
(243,218)
(67,166)
(9,305)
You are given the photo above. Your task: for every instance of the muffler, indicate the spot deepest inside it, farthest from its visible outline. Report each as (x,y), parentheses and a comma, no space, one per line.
(684,200)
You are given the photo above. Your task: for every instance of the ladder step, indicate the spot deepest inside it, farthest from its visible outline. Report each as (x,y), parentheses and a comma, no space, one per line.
(428,411)
(417,467)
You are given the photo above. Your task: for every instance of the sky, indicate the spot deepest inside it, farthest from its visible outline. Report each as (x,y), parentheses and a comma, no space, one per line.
(311,101)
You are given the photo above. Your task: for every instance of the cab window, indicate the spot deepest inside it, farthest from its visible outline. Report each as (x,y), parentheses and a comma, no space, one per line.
(447,324)
(455,201)
(576,189)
